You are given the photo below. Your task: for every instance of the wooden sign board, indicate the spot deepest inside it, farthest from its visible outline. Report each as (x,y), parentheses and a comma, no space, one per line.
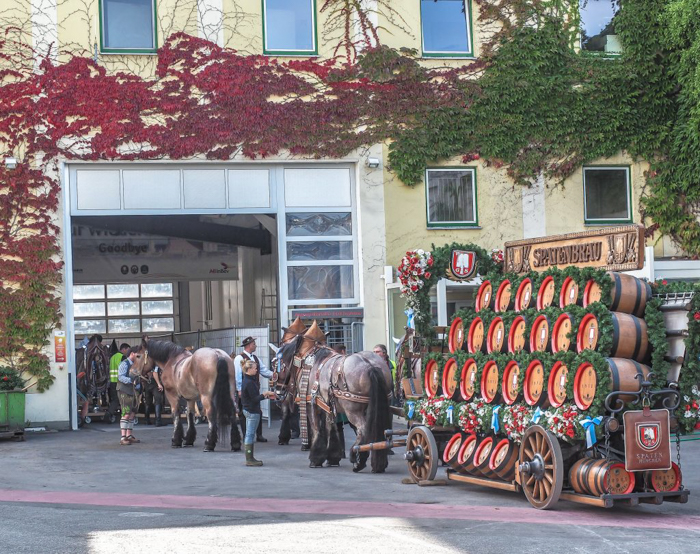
(614,249)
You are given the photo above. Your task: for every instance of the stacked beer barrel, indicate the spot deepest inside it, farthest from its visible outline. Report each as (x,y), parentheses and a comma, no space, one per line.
(545,341)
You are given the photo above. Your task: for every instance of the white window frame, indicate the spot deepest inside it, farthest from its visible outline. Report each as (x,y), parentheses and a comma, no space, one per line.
(451,224)
(291,51)
(628,189)
(104,49)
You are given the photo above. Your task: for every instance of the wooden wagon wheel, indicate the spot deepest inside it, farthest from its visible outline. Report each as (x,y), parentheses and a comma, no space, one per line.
(421,454)
(541,467)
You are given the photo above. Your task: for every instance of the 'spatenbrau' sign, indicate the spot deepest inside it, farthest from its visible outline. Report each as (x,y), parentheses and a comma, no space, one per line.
(615,248)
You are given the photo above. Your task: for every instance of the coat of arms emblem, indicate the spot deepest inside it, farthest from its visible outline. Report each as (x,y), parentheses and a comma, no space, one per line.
(462,265)
(648,435)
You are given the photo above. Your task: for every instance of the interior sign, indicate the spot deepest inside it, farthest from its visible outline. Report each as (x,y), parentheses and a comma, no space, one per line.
(126,248)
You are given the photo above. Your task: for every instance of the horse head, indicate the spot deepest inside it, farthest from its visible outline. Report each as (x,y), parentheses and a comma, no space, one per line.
(143,362)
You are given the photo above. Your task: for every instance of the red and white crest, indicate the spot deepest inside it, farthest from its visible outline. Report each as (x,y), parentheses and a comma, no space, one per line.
(463,264)
(648,435)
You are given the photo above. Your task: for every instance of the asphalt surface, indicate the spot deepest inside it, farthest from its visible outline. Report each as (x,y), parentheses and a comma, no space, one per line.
(80,492)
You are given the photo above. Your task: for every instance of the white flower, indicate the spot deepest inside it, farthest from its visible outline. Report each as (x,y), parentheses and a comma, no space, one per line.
(686,398)
(687,414)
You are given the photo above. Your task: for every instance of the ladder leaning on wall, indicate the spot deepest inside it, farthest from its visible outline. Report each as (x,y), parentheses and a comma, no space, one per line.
(268,314)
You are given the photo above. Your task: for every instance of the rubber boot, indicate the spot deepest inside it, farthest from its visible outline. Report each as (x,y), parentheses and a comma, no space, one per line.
(148,416)
(250,460)
(159,408)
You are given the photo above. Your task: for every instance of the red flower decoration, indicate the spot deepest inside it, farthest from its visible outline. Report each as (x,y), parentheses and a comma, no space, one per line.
(696,316)
(664,282)
(5,378)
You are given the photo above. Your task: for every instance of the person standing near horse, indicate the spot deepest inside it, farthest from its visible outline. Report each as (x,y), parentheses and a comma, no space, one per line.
(127,399)
(250,399)
(153,392)
(381,351)
(248,354)
(114,363)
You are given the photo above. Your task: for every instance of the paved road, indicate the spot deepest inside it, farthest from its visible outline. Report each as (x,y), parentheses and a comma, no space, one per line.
(80,492)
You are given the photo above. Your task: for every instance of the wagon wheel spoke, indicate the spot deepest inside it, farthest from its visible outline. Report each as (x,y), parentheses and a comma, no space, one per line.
(548,456)
(547,486)
(548,476)
(529,453)
(530,480)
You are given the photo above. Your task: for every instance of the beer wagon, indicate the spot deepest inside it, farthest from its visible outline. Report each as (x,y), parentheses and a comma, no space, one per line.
(546,386)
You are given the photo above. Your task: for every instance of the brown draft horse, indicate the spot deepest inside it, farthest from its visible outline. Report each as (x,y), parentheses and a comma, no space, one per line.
(208,373)
(357,385)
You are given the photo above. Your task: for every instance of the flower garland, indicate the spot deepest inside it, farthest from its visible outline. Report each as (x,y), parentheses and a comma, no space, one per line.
(690,406)
(414,273)
(516,419)
(562,421)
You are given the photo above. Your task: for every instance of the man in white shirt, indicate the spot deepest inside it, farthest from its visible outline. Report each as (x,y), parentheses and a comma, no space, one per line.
(249,348)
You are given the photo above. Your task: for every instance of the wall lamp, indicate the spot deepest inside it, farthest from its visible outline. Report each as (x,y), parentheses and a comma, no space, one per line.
(10,163)
(373,163)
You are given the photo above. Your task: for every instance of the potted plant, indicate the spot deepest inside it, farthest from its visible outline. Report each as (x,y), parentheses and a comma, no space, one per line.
(12,393)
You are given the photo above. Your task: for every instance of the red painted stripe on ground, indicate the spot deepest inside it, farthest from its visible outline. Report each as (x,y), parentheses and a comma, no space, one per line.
(597,518)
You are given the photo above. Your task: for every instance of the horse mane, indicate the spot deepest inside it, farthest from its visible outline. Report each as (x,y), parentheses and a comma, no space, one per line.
(287,351)
(162,351)
(323,353)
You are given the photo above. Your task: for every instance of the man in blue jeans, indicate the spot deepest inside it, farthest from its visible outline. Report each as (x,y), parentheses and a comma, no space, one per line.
(250,399)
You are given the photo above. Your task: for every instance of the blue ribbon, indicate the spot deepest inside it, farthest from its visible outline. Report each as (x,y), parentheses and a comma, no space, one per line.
(589,426)
(494,419)
(450,410)
(537,415)
(409,321)
(411,409)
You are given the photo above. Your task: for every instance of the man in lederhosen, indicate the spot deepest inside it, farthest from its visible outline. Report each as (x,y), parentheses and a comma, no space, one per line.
(249,347)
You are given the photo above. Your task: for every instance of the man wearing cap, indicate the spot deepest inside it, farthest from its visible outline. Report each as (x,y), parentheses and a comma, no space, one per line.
(249,348)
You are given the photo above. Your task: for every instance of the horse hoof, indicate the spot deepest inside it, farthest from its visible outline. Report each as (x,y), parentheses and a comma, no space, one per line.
(315,466)
(359,467)
(283,443)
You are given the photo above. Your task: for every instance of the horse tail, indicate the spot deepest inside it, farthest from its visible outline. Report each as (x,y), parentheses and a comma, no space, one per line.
(378,416)
(222,401)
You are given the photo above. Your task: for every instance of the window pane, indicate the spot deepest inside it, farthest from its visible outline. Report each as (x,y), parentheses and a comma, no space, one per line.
(444,25)
(310,224)
(289,25)
(451,196)
(128,24)
(122,291)
(319,250)
(122,308)
(88,309)
(89,326)
(606,194)
(151,307)
(86,292)
(321,281)
(157,290)
(598,26)
(159,324)
(124,326)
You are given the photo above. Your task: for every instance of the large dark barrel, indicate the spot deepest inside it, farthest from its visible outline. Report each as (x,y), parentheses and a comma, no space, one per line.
(629,337)
(503,459)
(623,374)
(628,294)
(590,476)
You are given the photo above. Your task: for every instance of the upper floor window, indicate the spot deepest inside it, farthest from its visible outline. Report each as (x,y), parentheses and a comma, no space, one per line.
(446,28)
(606,195)
(289,27)
(451,197)
(598,26)
(128,26)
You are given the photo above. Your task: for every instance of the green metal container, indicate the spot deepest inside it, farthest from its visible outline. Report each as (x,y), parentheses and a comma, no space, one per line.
(12,411)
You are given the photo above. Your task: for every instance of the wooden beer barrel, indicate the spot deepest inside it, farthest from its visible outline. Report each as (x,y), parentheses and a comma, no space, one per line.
(450,380)
(475,336)
(667,480)
(539,334)
(534,384)
(484,296)
(623,374)
(630,337)
(585,382)
(628,295)
(560,333)
(465,457)
(545,294)
(496,336)
(569,293)
(489,382)
(523,296)
(482,457)
(510,386)
(503,296)
(516,335)
(451,453)
(466,385)
(620,481)
(431,384)
(590,476)
(455,338)
(503,459)
(587,335)
(556,384)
